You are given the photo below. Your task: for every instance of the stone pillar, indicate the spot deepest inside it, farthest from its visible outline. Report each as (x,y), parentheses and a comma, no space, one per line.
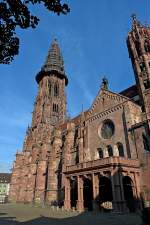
(40,182)
(106,153)
(23,184)
(67,149)
(95,181)
(115,150)
(31,183)
(123,204)
(14,186)
(138,190)
(15,178)
(114,202)
(118,192)
(81,136)
(80,202)
(52,183)
(80,149)
(67,202)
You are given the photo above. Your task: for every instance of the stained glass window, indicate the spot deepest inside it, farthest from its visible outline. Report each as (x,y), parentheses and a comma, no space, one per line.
(107,129)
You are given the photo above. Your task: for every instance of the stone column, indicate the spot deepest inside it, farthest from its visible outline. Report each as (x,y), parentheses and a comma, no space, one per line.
(106,153)
(80,149)
(67,202)
(118,192)
(23,184)
(124,207)
(80,202)
(95,181)
(52,183)
(31,183)
(115,150)
(40,182)
(15,178)
(138,190)
(67,149)
(114,202)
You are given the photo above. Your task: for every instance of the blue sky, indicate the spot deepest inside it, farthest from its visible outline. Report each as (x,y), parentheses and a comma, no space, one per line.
(93,42)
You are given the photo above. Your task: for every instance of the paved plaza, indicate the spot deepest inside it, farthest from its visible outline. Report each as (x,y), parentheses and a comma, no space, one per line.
(19,214)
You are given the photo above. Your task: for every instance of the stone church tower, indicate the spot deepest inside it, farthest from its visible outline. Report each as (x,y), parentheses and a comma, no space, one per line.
(31,167)
(50,105)
(138,42)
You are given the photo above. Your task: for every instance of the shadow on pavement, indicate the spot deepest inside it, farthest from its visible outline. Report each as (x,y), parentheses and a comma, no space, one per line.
(85,218)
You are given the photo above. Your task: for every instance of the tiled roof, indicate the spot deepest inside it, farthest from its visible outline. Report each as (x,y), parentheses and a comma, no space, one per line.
(130,92)
(5,177)
(76,120)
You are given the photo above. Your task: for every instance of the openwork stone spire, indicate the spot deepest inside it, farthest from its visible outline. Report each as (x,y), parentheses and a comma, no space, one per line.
(54,64)
(54,60)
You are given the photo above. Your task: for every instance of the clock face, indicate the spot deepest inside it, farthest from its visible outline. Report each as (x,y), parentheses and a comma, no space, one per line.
(107,129)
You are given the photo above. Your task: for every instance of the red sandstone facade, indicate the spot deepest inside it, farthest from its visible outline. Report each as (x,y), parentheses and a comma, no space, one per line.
(98,160)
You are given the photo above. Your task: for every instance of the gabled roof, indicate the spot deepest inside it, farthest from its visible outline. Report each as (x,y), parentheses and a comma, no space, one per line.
(105,100)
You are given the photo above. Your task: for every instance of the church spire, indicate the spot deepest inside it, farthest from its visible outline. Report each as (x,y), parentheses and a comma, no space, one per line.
(54,60)
(54,63)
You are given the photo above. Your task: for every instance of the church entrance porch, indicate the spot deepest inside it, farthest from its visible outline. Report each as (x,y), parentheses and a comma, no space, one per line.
(128,193)
(99,186)
(105,193)
(88,194)
(73,192)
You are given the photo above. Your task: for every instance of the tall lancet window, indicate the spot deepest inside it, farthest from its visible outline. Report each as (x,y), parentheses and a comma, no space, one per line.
(56,90)
(138,48)
(145,143)
(55,108)
(147,46)
(49,87)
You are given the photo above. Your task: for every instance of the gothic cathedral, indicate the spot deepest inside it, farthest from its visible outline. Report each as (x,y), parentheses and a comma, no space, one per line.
(97,160)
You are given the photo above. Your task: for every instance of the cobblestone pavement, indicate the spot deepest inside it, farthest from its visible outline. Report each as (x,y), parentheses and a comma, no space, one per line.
(19,214)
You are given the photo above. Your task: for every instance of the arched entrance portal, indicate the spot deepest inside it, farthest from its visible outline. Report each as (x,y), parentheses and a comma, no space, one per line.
(74,192)
(88,194)
(128,193)
(105,192)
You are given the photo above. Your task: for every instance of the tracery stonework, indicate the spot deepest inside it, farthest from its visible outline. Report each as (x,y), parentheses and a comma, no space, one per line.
(99,160)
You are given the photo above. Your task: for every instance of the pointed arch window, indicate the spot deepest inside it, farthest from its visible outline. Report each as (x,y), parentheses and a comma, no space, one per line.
(110,150)
(138,48)
(142,66)
(100,153)
(147,46)
(55,107)
(145,143)
(56,90)
(77,155)
(49,87)
(120,149)
(146,84)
